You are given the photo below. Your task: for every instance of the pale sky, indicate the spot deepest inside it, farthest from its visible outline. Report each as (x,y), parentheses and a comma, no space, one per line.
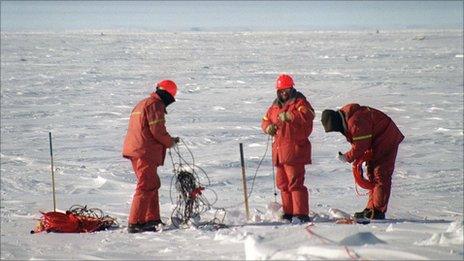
(230,15)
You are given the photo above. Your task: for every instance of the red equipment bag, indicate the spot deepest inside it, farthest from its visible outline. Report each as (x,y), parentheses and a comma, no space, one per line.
(358,172)
(76,220)
(57,222)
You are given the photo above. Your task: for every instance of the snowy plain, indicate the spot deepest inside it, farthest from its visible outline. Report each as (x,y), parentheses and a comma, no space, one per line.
(82,85)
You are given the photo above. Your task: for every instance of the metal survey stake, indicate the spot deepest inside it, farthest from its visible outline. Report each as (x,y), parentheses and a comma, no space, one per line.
(245,193)
(53,173)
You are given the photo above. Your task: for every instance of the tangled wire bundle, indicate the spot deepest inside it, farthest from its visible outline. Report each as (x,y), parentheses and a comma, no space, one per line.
(95,213)
(191,202)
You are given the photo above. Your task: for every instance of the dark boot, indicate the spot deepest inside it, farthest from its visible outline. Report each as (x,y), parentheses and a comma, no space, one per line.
(378,215)
(287,217)
(152,225)
(303,218)
(135,228)
(361,214)
(372,214)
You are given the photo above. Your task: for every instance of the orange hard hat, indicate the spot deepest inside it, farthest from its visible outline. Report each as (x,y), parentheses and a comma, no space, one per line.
(168,86)
(284,81)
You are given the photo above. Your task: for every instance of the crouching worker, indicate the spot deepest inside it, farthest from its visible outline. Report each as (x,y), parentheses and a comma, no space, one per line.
(145,145)
(290,121)
(368,129)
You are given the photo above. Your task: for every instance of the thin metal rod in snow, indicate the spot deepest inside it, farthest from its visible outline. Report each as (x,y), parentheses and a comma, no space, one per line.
(53,173)
(245,194)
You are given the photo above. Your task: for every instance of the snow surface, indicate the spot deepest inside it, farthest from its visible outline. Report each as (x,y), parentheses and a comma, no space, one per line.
(81,86)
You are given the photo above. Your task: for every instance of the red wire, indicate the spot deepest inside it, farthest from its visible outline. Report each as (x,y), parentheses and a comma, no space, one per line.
(357,191)
(326,240)
(348,251)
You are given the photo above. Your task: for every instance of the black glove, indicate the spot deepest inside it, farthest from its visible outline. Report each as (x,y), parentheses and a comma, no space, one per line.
(175,140)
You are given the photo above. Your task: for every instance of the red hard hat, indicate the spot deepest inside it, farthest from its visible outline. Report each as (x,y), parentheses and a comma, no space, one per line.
(168,86)
(284,81)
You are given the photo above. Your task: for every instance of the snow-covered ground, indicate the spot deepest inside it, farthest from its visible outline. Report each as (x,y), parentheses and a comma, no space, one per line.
(81,86)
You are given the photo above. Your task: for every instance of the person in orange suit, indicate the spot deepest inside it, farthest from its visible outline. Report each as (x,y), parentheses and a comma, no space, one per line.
(289,120)
(145,145)
(368,129)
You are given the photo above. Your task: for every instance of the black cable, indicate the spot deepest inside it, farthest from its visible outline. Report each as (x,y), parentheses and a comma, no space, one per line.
(254,177)
(259,165)
(191,202)
(95,213)
(185,180)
